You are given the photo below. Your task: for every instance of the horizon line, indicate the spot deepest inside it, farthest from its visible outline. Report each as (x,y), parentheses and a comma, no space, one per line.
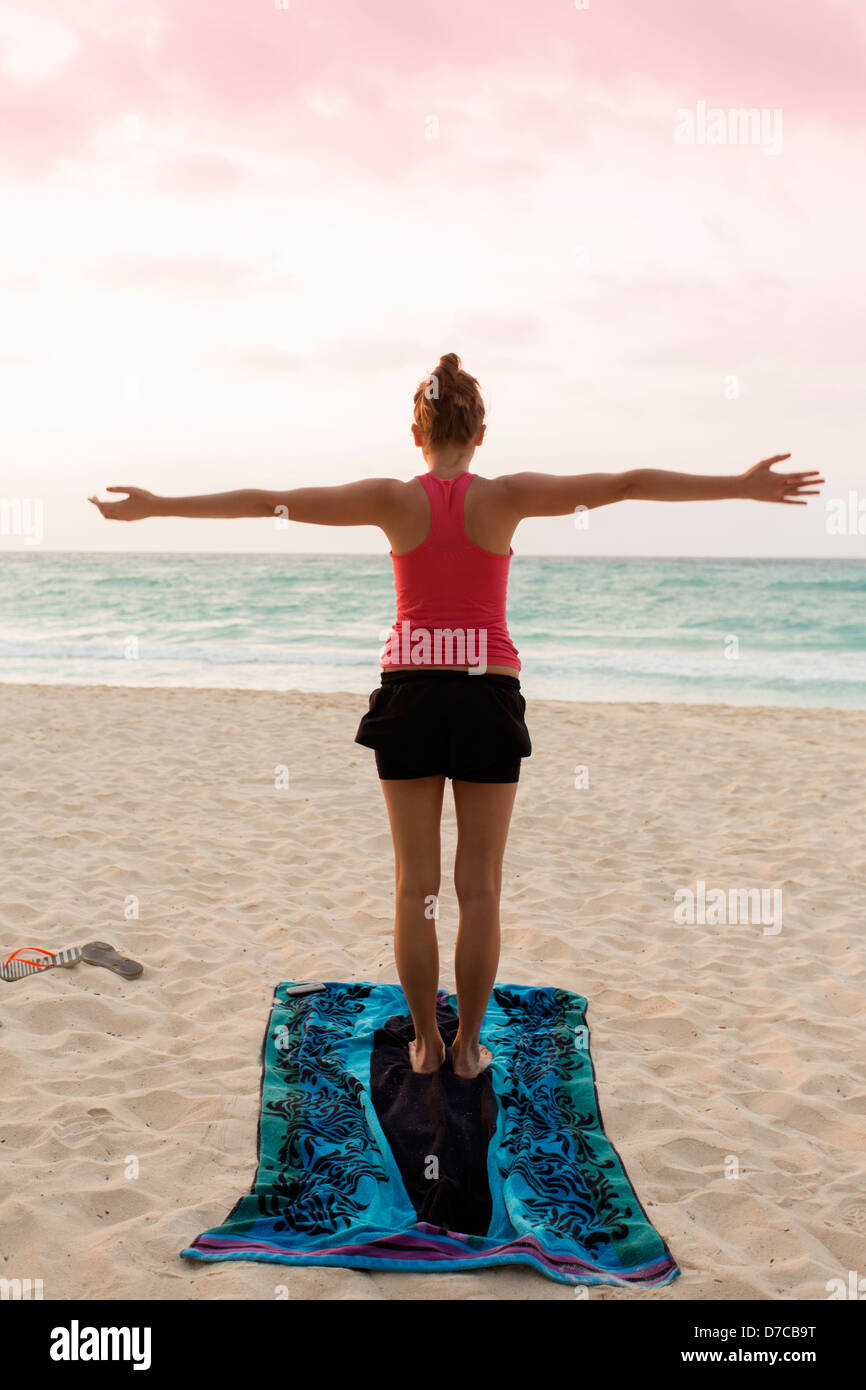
(375,555)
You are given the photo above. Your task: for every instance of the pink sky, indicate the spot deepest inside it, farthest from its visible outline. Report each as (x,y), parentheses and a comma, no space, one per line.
(235,236)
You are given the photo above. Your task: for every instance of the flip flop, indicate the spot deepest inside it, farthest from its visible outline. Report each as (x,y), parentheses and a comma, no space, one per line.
(13,969)
(100,953)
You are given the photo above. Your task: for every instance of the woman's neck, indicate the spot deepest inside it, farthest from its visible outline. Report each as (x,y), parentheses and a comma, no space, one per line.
(446,474)
(448,464)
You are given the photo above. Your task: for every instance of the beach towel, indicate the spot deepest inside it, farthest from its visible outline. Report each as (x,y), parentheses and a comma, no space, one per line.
(366,1164)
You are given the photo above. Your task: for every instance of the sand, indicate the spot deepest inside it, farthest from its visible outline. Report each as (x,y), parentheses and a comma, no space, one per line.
(150,818)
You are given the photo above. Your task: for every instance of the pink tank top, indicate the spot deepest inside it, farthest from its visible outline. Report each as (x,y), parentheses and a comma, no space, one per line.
(450,592)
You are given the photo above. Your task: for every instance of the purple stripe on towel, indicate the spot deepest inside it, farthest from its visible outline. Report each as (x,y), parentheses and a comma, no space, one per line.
(407,1246)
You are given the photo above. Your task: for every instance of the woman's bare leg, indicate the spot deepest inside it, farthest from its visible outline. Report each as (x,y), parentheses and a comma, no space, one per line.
(415,810)
(483,817)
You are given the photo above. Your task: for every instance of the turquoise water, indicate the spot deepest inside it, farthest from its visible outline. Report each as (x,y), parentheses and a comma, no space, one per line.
(786,632)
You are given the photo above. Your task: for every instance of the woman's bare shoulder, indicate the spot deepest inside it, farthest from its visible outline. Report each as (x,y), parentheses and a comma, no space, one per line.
(498,492)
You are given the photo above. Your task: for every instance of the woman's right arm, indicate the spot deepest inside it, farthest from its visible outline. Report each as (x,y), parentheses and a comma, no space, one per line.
(548,494)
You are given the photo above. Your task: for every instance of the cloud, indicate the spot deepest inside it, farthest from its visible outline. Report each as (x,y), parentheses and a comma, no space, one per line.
(263,359)
(356,357)
(351,87)
(185,275)
(195,174)
(33,46)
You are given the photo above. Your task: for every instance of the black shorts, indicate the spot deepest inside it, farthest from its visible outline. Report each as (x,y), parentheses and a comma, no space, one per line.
(446,723)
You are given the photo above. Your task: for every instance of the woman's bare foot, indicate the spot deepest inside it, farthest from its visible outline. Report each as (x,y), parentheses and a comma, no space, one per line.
(426,1058)
(470,1061)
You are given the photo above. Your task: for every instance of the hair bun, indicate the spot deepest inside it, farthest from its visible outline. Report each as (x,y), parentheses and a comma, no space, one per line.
(448,404)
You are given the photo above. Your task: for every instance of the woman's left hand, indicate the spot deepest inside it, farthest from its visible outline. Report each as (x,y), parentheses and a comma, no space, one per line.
(138,505)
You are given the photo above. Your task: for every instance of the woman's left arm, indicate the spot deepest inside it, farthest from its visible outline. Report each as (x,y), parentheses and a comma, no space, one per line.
(368,502)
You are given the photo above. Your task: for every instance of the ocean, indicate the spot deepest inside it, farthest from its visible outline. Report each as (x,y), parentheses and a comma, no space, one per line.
(757,631)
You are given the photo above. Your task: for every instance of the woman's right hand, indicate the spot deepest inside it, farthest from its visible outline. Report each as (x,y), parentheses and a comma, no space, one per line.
(761,484)
(135,507)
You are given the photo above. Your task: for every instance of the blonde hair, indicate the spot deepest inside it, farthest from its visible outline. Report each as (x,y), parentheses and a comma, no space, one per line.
(448,404)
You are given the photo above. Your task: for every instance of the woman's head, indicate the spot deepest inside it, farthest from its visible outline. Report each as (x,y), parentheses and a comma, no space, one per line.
(448,405)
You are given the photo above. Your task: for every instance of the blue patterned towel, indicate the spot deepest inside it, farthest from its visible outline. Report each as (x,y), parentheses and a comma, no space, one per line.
(363,1163)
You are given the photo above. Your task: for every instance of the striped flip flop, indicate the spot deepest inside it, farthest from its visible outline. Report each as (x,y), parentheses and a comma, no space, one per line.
(17,968)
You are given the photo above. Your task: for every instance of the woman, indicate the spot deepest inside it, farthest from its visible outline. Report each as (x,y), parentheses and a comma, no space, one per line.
(449,704)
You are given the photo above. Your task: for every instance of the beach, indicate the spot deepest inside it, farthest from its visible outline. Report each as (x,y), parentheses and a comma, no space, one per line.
(231,839)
